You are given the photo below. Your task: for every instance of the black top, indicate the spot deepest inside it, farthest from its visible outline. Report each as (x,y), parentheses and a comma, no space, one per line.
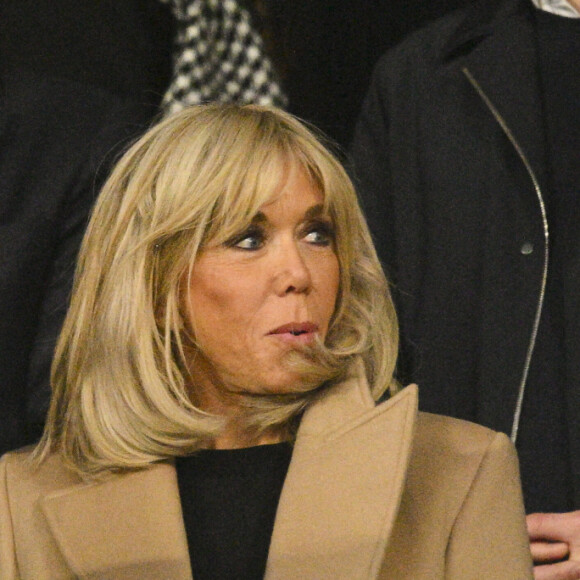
(229,500)
(543,442)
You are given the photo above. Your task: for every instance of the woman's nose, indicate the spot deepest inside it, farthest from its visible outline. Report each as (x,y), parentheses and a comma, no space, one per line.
(293,273)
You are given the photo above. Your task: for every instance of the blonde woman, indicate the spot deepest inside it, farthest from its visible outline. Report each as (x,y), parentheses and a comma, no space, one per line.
(215,410)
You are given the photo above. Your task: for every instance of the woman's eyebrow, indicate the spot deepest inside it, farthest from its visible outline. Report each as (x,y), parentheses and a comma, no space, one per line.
(315,211)
(259,218)
(312,212)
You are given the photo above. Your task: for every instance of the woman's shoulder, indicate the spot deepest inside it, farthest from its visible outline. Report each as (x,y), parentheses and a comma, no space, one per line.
(461,513)
(450,454)
(445,440)
(23,475)
(459,433)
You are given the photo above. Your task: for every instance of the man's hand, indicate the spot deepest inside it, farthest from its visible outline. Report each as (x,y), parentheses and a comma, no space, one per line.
(554,537)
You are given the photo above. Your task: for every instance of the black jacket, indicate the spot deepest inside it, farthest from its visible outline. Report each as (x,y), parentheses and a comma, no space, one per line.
(57,139)
(450,160)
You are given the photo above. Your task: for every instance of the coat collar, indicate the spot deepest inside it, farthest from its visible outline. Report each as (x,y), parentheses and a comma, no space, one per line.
(335,515)
(129,526)
(480,21)
(496,42)
(343,488)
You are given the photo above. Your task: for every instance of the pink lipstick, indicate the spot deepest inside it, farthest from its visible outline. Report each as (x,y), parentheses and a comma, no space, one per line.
(296,332)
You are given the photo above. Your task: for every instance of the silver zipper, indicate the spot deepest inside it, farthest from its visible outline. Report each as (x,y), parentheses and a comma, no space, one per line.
(532,343)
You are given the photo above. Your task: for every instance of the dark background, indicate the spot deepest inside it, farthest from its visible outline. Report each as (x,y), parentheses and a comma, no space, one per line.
(325,50)
(122,46)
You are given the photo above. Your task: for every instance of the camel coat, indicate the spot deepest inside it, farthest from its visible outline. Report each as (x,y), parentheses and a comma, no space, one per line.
(372,492)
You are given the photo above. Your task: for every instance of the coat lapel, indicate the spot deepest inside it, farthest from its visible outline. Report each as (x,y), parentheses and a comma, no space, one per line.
(497,46)
(335,515)
(343,487)
(129,526)
(493,59)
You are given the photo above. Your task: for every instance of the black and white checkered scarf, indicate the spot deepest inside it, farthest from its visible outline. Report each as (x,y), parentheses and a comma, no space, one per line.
(218,57)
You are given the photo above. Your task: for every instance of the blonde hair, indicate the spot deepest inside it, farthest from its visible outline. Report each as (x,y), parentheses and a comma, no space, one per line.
(119,376)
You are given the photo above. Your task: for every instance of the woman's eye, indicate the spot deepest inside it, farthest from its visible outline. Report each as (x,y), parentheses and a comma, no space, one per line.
(320,235)
(248,240)
(251,242)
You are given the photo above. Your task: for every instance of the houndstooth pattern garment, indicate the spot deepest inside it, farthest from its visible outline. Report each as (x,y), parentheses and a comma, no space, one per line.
(218,57)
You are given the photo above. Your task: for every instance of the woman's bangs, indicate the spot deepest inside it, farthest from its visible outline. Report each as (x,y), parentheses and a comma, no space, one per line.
(248,189)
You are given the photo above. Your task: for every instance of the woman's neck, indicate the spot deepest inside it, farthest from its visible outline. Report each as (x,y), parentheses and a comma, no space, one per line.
(236,436)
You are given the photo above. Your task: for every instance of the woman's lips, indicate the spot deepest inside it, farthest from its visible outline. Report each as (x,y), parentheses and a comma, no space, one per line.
(296,332)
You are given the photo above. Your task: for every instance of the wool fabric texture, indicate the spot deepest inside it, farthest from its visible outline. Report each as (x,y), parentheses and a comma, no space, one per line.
(219,57)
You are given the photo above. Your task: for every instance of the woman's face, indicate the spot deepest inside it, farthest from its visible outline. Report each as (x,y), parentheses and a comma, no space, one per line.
(267,291)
